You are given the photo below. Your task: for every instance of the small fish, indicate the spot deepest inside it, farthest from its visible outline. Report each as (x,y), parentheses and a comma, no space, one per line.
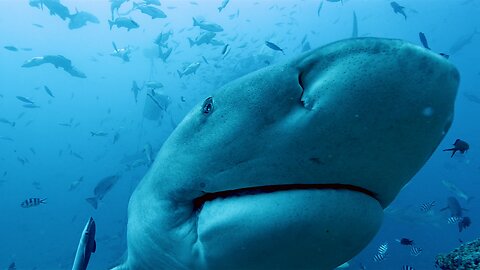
(459,145)
(405,241)
(398,9)
(223,5)
(37,25)
(427,207)
(407,267)
(464,223)
(153,12)
(456,190)
(208,26)
(31,106)
(379,257)
(86,246)
(204,59)
(5,121)
(226,50)
(424,41)
(5,138)
(101,189)
(76,155)
(453,220)
(123,22)
(24,99)
(445,55)
(383,248)
(190,69)
(75,184)
(33,202)
(355,26)
(273,46)
(11,48)
(116,136)
(415,251)
(319,8)
(49,92)
(98,134)
(135,89)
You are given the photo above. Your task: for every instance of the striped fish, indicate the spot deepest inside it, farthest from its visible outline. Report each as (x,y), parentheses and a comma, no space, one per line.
(453,220)
(415,251)
(407,267)
(379,257)
(32,202)
(427,207)
(383,248)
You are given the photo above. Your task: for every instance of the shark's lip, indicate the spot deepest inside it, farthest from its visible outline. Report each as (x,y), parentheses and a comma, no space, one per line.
(200,201)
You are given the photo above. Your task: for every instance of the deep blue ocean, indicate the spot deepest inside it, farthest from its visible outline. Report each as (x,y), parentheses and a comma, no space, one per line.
(62,133)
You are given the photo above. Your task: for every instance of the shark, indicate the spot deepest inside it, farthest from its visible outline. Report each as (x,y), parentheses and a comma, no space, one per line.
(291,166)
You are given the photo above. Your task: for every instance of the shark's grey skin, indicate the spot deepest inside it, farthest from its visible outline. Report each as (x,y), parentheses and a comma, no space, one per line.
(332,135)
(86,246)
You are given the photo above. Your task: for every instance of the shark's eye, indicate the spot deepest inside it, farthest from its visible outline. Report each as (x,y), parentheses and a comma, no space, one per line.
(207,107)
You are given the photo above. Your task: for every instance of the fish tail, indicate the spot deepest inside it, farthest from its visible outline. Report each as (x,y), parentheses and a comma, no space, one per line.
(92,133)
(93,201)
(191,42)
(110,23)
(195,23)
(44,200)
(179,73)
(220,9)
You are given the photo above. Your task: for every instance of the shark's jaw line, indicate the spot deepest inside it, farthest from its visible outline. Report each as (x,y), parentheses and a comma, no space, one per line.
(200,201)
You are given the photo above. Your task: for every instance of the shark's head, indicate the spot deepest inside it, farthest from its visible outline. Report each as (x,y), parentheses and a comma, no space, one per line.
(290,167)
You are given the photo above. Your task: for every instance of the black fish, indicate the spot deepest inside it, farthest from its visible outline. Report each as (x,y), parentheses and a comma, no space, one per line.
(32,202)
(398,9)
(445,55)
(49,92)
(424,41)
(405,242)
(273,46)
(464,223)
(459,145)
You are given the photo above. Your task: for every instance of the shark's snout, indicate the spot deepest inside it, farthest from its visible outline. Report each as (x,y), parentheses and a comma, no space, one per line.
(272,170)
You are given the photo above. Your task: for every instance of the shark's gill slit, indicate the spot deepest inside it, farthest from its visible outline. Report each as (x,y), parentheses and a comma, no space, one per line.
(200,201)
(300,82)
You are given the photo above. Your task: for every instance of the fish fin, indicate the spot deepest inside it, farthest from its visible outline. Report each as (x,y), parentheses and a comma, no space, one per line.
(443,209)
(179,73)
(94,248)
(453,153)
(93,201)
(110,23)
(191,42)
(195,22)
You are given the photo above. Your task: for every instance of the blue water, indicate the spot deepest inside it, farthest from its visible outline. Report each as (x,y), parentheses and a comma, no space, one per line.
(37,155)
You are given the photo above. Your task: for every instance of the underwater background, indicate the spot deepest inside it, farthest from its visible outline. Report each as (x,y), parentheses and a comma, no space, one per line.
(63,130)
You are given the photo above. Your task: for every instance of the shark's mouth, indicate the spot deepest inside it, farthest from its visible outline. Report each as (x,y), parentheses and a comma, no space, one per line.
(200,201)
